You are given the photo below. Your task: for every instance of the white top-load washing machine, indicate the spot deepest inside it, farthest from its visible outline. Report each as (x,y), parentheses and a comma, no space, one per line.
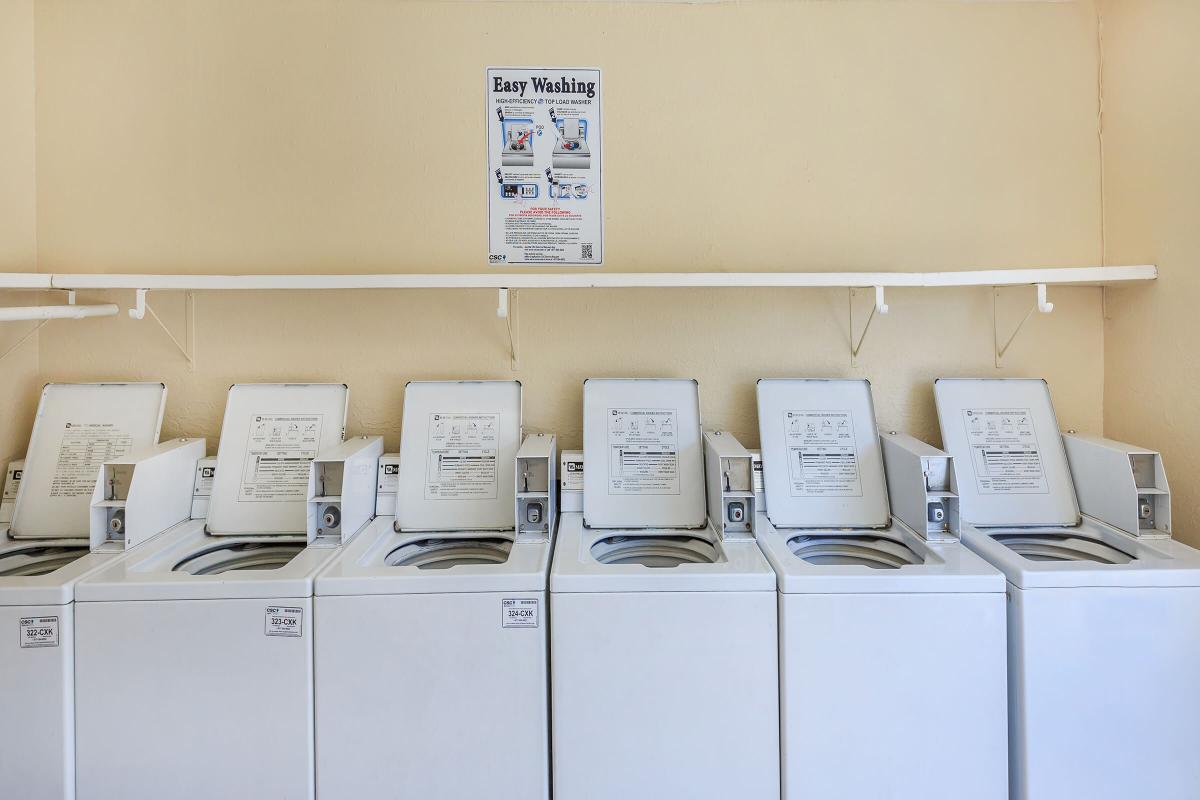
(1104,608)
(663,638)
(892,637)
(431,657)
(43,554)
(194,652)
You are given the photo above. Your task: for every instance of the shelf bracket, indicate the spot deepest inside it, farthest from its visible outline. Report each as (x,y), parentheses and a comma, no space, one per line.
(1041,305)
(23,339)
(29,333)
(188,347)
(506,309)
(139,309)
(879,307)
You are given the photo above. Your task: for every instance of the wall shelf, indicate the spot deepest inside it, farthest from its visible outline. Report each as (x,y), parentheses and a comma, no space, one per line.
(504,283)
(1094,276)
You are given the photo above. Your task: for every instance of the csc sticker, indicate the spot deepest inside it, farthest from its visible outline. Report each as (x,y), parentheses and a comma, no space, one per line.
(283,621)
(39,631)
(519,613)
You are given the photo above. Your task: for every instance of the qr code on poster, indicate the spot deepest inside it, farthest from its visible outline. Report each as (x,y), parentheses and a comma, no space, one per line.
(586,251)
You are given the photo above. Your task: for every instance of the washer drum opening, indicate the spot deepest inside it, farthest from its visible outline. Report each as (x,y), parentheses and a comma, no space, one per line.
(654,551)
(853,550)
(38,559)
(436,553)
(240,556)
(1061,547)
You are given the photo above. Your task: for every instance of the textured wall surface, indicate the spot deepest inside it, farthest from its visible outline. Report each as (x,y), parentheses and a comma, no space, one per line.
(18,235)
(18,241)
(289,135)
(348,137)
(376,341)
(1152,126)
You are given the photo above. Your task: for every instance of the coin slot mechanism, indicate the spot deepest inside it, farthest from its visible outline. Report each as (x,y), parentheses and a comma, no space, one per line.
(921,491)
(143,494)
(536,513)
(729,482)
(342,490)
(1122,485)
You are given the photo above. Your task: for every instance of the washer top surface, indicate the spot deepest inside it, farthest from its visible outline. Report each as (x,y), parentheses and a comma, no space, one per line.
(1009,460)
(643,442)
(458,449)
(822,461)
(654,560)
(185,563)
(863,561)
(383,561)
(44,572)
(78,427)
(270,434)
(1088,554)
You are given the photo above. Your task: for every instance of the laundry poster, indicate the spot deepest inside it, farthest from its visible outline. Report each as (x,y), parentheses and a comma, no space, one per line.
(545,200)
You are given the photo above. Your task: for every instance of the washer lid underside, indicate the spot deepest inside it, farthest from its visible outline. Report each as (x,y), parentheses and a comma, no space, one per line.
(434,553)
(38,559)
(240,556)
(654,551)
(1061,547)
(853,550)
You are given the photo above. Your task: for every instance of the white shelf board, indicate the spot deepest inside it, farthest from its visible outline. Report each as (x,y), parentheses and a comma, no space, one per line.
(1093,276)
(25,280)
(618,280)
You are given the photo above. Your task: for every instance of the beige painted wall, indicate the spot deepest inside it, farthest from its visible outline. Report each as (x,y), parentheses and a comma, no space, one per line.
(304,136)
(1152,171)
(377,341)
(18,242)
(18,234)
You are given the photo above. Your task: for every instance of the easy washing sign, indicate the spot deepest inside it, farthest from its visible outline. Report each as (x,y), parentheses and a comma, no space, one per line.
(544,175)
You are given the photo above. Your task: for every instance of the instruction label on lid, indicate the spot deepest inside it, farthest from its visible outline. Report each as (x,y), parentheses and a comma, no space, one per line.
(822,456)
(39,631)
(81,451)
(1005,456)
(281,446)
(643,451)
(462,453)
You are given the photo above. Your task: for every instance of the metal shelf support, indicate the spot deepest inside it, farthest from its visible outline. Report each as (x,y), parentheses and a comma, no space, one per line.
(1041,305)
(142,307)
(880,307)
(506,308)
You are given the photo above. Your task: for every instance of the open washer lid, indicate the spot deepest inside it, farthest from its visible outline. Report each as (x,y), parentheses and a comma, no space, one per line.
(1009,460)
(644,447)
(822,462)
(458,450)
(78,427)
(270,435)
